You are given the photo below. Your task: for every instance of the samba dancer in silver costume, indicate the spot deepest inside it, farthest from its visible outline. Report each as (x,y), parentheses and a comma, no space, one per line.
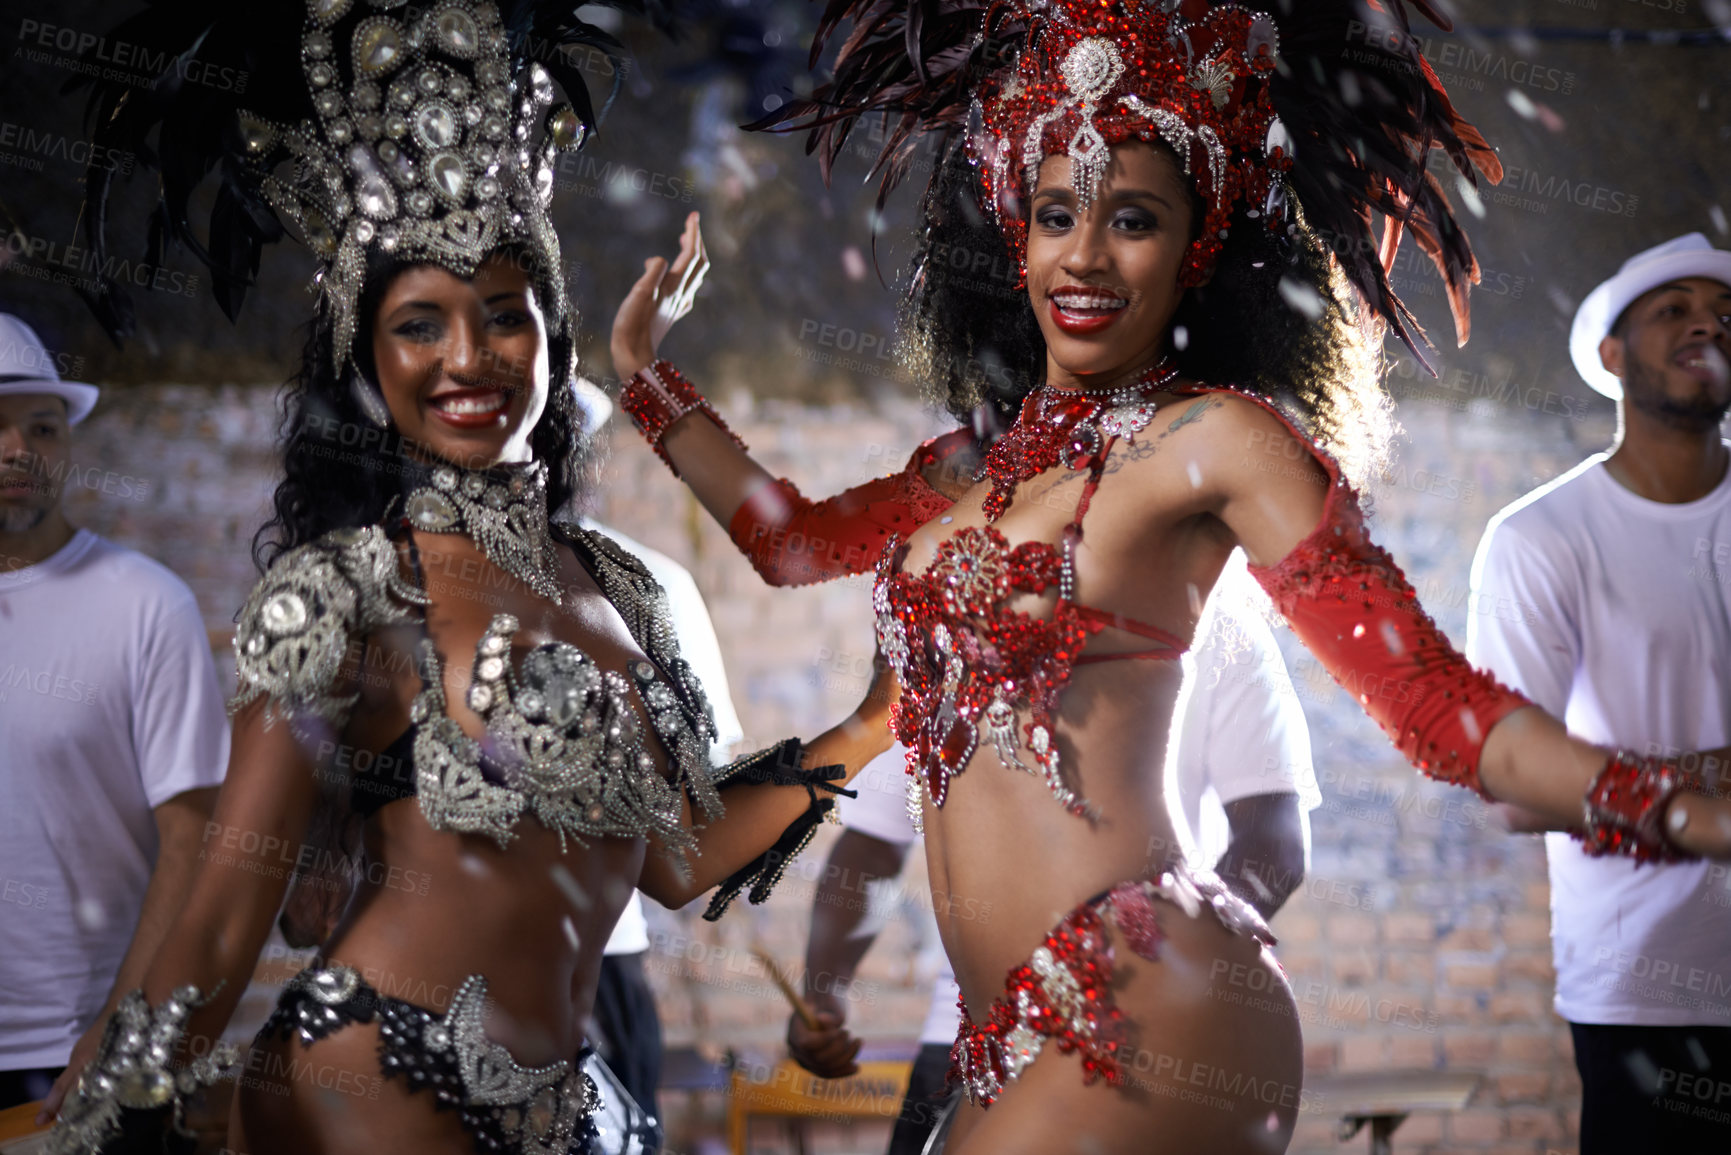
(412,148)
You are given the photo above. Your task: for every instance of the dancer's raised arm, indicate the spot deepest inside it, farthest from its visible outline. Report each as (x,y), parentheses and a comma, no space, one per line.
(789,538)
(705,453)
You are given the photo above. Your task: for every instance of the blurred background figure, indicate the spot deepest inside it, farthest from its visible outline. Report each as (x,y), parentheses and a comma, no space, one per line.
(1245,783)
(626,1028)
(112,740)
(1614,614)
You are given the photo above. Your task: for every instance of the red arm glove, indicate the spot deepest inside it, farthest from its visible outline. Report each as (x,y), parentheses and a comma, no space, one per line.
(1353,608)
(1355,611)
(792,540)
(789,539)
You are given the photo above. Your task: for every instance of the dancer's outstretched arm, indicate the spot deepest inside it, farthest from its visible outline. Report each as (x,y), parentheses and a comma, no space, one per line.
(237,885)
(1354,609)
(789,538)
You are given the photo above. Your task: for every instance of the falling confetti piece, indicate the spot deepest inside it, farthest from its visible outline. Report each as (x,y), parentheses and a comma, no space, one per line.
(853,263)
(1302,298)
(90,914)
(1350,92)
(1470,725)
(1469,196)
(567,885)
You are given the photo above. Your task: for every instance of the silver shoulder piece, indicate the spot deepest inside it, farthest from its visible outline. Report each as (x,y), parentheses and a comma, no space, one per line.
(131,1072)
(298,622)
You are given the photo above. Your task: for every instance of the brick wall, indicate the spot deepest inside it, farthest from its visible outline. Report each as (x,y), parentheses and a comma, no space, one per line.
(1420,938)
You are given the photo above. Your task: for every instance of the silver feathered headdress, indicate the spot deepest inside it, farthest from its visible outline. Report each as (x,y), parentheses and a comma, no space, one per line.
(425,132)
(425,147)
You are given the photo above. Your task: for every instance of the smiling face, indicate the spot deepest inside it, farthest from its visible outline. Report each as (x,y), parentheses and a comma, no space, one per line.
(1672,348)
(1104,283)
(462,364)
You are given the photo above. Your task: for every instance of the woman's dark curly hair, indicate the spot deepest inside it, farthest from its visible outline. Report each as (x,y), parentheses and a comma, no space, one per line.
(340,469)
(1277,317)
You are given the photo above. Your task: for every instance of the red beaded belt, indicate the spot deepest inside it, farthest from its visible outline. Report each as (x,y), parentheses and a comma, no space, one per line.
(1064,991)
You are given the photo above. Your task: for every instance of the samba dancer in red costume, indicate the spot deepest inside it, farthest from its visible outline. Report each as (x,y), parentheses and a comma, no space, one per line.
(1172,179)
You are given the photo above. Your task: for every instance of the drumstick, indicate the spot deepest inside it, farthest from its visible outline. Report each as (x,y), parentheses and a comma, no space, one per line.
(799,1005)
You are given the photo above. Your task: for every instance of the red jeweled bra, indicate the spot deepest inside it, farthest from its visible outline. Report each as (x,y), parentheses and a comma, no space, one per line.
(967,662)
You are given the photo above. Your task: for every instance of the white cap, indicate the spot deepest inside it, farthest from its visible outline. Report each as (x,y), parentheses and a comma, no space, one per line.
(1686,256)
(27,367)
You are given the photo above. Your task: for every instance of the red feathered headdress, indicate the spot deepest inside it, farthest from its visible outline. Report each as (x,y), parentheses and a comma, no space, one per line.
(1328,103)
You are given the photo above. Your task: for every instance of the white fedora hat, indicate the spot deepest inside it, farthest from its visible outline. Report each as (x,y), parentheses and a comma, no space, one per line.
(27,367)
(1691,255)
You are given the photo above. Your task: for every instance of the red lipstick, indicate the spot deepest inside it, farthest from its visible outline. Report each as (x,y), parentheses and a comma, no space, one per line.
(471,408)
(1089,311)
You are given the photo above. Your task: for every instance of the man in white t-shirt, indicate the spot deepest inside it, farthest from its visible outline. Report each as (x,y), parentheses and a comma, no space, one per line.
(627,1026)
(112,741)
(1605,597)
(1242,778)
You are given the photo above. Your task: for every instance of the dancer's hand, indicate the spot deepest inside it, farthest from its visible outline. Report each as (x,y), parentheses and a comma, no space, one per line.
(828,1051)
(885,691)
(1700,823)
(82,1052)
(662,295)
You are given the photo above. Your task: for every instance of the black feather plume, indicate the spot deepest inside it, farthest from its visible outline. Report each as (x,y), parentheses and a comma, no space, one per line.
(1362,106)
(212,58)
(1365,111)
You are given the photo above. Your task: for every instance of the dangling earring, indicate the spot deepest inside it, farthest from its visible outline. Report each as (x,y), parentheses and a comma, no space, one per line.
(371,401)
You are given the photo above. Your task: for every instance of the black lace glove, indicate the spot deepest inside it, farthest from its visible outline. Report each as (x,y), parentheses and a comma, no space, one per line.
(779,765)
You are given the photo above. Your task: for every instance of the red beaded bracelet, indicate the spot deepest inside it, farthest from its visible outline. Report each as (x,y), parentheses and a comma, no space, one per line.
(658,395)
(1625,807)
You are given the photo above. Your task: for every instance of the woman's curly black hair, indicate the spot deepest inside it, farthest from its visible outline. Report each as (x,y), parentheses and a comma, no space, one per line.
(341,469)
(1276,317)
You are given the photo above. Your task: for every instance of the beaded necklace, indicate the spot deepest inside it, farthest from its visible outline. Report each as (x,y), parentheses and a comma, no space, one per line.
(503,510)
(1068,426)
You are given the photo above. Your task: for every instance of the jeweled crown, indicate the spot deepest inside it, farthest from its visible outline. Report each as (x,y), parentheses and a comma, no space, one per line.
(426,146)
(1186,74)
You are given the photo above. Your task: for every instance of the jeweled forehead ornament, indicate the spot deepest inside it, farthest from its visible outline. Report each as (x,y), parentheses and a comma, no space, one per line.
(1190,76)
(1090,69)
(425,147)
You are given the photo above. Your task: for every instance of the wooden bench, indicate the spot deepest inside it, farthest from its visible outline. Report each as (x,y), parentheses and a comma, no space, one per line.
(1382,1100)
(18,1130)
(787,1091)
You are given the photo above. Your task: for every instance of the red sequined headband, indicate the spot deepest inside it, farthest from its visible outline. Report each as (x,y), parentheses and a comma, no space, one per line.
(1095,73)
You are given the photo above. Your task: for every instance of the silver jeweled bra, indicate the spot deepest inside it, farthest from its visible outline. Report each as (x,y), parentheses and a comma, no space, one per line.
(562,740)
